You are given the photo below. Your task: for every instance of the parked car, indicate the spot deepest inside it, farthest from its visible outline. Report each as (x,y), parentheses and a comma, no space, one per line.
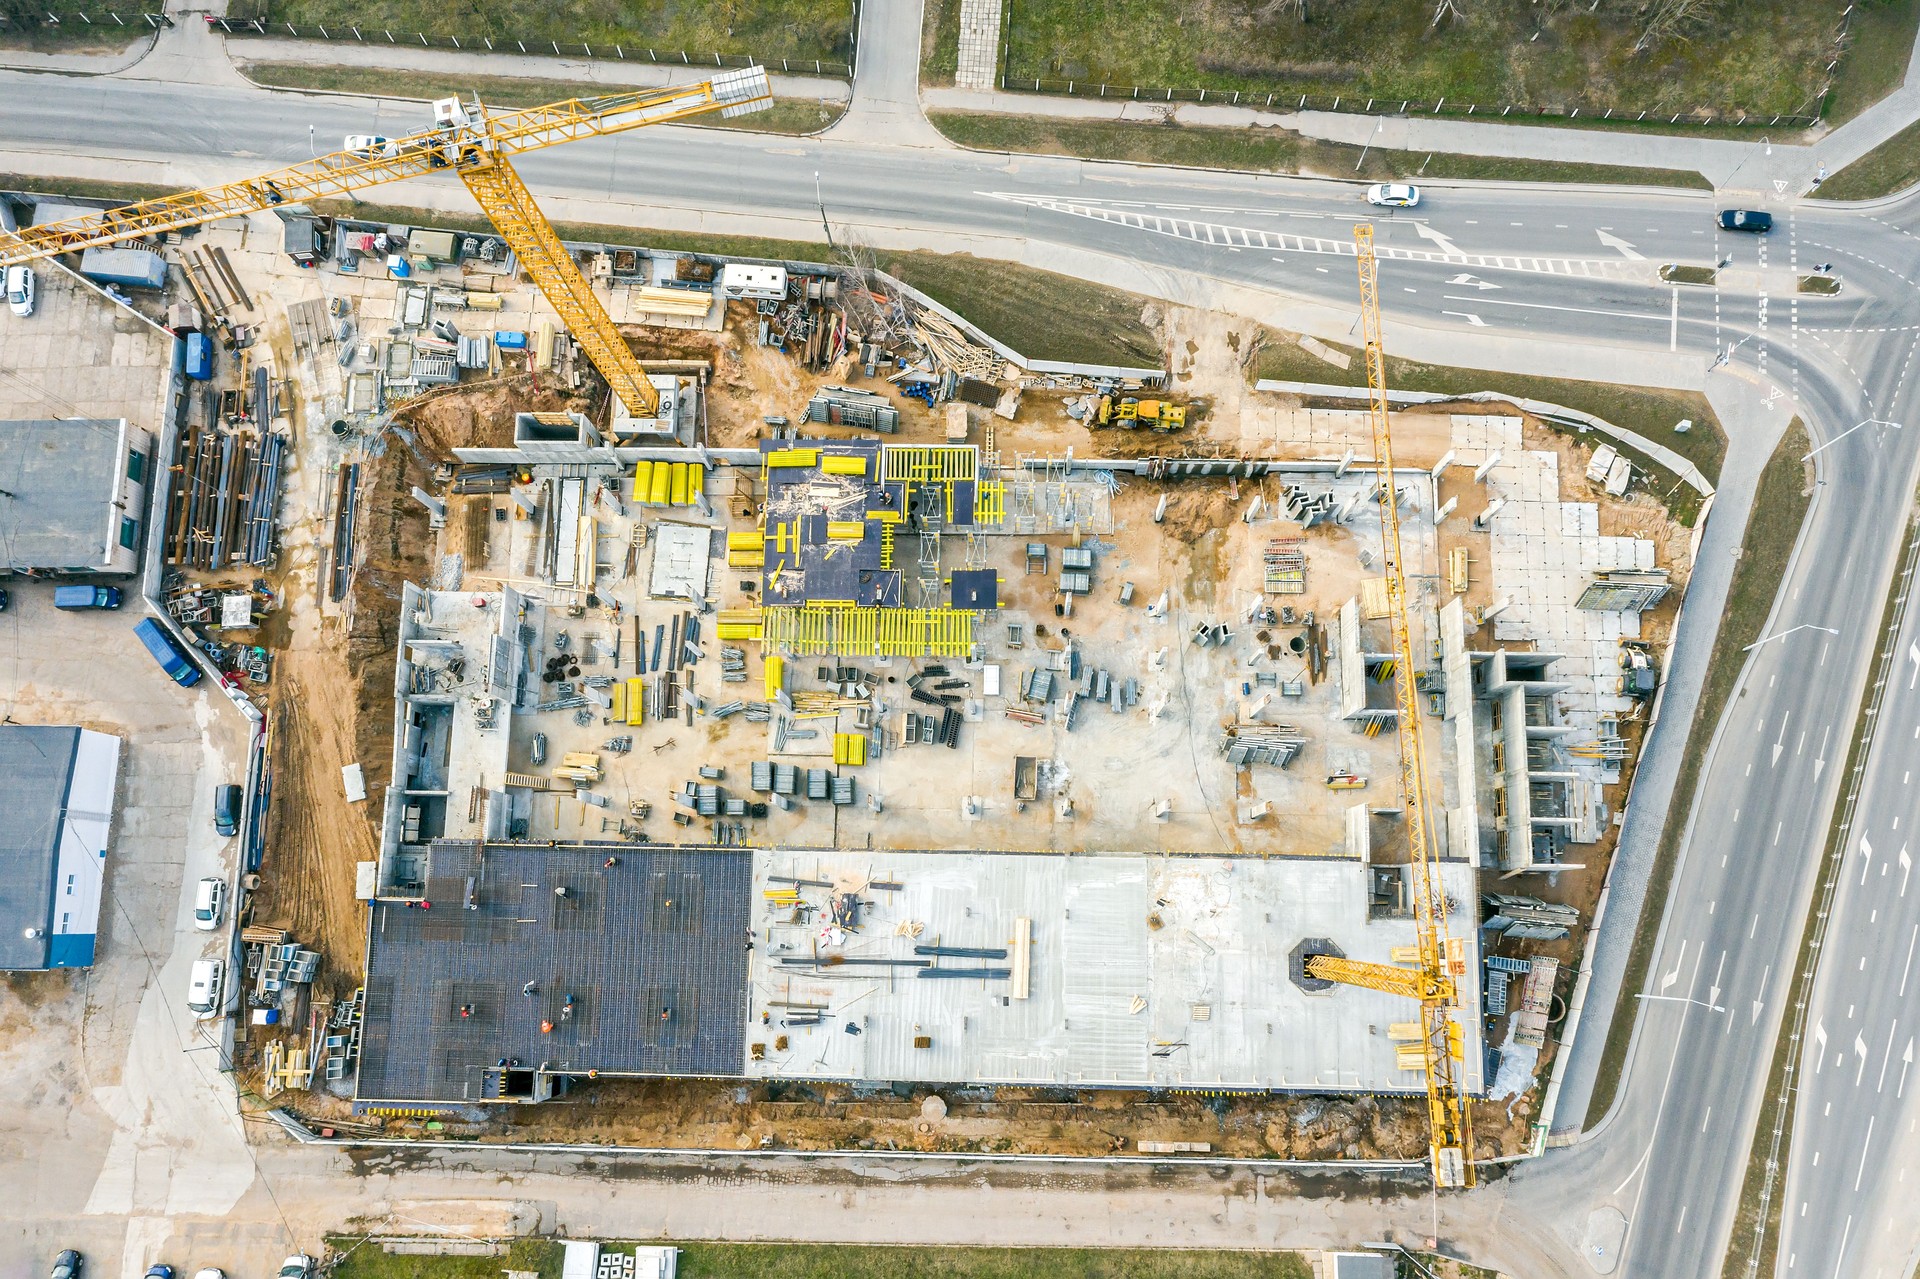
(178,666)
(209,1272)
(204,985)
(298,1266)
(22,289)
(67,1265)
(1393,195)
(6,598)
(226,809)
(370,146)
(159,1270)
(209,903)
(86,597)
(1746,220)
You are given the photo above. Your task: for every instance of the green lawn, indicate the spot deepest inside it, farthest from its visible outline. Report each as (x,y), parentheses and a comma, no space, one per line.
(1646,411)
(1758,56)
(1779,508)
(939,42)
(786,115)
(766,29)
(1271,150)
(1880,43)
(838,1261)
(1892,166)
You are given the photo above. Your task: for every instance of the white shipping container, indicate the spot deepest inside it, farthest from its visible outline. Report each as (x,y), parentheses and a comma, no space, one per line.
(760,283)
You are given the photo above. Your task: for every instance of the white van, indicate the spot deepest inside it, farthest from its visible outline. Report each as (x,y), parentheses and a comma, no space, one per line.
(204,986)
(755,283)
(209,903)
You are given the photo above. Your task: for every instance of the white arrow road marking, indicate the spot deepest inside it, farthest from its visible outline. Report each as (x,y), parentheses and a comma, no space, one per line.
(1866,858)
(1780,743)
(1887,1056)
(1473,321)
(1819,1045)
(1860,1051)
(1472,281)
(1626,250)
(1667,979)
(1439,239)
(1913,655)
(1759,999)
(1908,966)
(1713,990)
(1906,869)
(1906,1063)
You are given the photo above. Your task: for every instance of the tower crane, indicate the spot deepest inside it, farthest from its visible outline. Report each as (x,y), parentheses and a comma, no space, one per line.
(1440,961)
(475,144)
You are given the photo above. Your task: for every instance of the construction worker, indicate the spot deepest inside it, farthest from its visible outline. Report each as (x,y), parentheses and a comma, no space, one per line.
(529,989)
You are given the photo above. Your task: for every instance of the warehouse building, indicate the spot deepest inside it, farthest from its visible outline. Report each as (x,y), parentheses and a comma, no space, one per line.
(75,493)
(57,789)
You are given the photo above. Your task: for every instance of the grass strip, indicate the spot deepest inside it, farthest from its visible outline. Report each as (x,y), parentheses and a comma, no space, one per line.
(1755,1239)
(786,115)
(1272,150)
(1879,46)
(1675,274)
(939,42)
(845,1261)
(1645,411)
(1821,284)
(1779,508)
(1892,166)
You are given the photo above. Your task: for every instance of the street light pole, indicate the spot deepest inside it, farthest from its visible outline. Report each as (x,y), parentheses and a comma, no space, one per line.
(1369,143)
(1870,421)
(820,203)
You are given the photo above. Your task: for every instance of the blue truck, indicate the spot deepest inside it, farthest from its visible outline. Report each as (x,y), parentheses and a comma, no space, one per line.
(73,597)
(178,666)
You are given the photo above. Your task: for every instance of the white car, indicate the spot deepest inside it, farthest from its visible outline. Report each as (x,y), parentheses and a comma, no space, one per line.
(369,146)
(204,985)
(21,289)
(1393,195)
(210,1272)
(298,1266)
(209,903)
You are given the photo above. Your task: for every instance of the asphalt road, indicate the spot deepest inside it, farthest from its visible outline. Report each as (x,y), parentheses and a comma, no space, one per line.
(1572,291)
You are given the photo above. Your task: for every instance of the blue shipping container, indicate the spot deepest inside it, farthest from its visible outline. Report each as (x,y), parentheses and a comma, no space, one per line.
(199,348)
(510,340)
(128,268)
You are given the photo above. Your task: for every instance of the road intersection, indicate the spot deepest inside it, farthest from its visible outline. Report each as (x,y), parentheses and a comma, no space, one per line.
(1559,281)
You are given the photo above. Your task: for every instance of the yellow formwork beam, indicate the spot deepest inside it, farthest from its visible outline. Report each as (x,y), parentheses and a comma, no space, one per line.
(811,629)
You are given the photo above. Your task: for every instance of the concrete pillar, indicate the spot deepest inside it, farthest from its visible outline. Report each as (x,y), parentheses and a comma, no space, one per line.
(1446,509)
(1485,518)
(1494,609)
(1260,703)
(1063,810)
(1161,810)
(1158,660)
(1160,511)
(1254,508)
(1446,460)
(434,505)
(1346,507)
(1480,472)
(1346,461)
(1256,810)
(525,503)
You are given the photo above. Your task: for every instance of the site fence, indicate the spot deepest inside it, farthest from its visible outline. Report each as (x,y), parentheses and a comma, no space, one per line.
(75,22)
(605,52)
(1353,105)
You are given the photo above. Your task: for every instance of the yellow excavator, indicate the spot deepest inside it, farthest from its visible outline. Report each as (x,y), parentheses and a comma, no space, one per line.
(472,142)
(1130,414)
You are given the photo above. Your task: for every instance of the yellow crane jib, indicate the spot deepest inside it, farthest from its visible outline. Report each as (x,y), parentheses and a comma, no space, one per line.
(1441,960)
(467,139)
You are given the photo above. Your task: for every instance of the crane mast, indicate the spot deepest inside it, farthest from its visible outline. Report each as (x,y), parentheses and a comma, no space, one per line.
(1432,980)
(472,142)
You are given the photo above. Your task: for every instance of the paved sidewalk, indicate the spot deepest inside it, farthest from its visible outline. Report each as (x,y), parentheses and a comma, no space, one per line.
(886,80)
(612,72)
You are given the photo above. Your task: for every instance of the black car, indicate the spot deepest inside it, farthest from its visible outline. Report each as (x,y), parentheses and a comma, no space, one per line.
(66,1265)
(226,810)
(1746,220)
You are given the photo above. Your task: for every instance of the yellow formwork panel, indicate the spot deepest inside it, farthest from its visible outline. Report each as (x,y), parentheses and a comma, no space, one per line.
(843,464)
(990,502)
(793,457)
(696,482)
(849,749)
(643,481)
(619,707)
(662,483)
(678,485)
(754,558)
(846,530)
(816,628)
(636,699)
(748,541)
(774,670)
(929,463)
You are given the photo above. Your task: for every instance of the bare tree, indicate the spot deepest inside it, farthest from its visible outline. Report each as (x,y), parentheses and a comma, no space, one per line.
(1444,9)
(1672,19)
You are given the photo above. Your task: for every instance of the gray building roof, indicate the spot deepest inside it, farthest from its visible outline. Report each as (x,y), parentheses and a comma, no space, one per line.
(652,950)
(36,766)
(58,477)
